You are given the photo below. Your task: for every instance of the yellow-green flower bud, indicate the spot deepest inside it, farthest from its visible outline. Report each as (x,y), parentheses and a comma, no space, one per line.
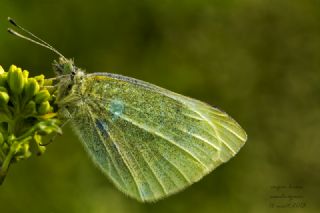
(44,108)
(3,89)
(11,138)
(25,150)
(40,79)
(4,98)
(31,88)
(30,108)
(42,96)
(3,79)
(12,67)
(1,70)
(25,115)
(25,74)
(15,147)
(38,148)
(15,80)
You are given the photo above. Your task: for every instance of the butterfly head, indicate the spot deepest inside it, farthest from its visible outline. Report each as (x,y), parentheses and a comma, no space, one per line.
(64,66)
(68,78)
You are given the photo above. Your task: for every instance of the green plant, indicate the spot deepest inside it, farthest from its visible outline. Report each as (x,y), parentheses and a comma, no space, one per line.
(27,113)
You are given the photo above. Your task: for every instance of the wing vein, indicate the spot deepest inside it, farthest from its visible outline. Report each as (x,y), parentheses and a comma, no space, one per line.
(117,169)
(125,160)
(120,132)
(196,136)
(165,138)
(217,133)
(231,131)
(174,166)
(206,141)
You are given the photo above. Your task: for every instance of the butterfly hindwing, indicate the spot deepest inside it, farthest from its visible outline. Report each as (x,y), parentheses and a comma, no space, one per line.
(149,141)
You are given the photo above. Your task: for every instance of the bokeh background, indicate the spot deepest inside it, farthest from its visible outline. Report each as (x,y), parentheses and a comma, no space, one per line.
(259,60)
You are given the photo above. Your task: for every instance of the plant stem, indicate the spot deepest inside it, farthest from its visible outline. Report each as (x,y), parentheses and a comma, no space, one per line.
(5,165)
(2,156)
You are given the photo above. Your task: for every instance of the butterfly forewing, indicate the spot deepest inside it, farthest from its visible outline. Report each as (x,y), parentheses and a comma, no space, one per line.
(149,141)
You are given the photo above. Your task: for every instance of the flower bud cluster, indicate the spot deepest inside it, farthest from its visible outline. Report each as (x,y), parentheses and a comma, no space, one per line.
(27,113)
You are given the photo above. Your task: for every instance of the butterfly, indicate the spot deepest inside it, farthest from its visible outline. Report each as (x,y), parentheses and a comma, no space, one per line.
(149,141)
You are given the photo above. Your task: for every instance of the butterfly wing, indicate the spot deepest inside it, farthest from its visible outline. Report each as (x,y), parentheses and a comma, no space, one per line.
(149,141)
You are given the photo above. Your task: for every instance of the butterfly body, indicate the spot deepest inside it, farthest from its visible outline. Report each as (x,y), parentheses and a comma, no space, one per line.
(150,142)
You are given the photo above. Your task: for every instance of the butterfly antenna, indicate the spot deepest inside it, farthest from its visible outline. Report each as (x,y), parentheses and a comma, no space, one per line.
(33,38)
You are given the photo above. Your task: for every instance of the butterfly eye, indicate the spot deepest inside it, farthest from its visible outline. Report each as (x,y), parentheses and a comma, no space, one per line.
(69,68)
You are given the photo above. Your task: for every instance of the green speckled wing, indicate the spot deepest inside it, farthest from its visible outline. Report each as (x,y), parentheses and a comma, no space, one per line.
(149,141)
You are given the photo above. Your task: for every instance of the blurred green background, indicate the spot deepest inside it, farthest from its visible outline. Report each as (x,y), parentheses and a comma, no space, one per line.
(259,60)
